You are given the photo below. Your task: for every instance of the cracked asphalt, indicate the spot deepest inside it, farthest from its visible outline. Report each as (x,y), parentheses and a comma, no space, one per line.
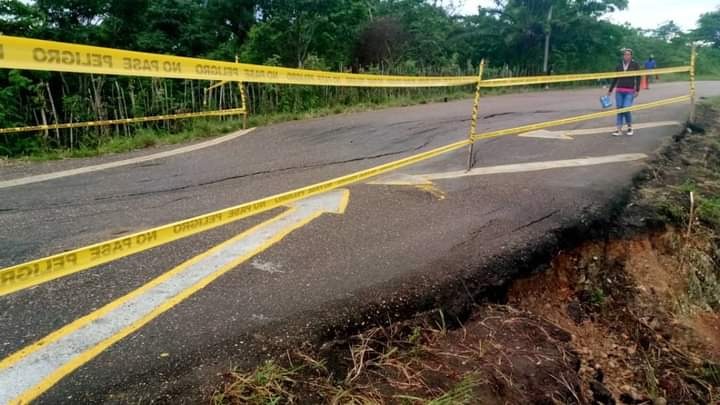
(394,244)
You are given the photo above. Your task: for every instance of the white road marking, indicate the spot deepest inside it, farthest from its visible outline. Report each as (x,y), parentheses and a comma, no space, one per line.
(569,134)
(267,267)
(89,169)
(53,358)
(414,180)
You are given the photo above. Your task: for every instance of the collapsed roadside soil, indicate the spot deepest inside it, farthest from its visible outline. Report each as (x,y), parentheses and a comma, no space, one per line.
(631,316)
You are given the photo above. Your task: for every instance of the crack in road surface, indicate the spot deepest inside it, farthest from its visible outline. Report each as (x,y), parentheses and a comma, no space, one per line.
(263,172)
(537,221)
(120,197)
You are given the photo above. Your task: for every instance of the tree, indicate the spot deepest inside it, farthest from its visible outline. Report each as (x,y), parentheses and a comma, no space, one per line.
(383,42)
(524,26)
(667,31)
(709,29)
(120,27)
(295,29)
(18,18)
(180,27)
(73,20)
(427,29)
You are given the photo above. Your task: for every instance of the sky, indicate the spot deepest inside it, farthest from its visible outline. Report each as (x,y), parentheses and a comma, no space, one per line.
(641,13)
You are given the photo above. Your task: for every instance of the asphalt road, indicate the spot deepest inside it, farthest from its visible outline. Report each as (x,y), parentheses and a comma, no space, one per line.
(392,244)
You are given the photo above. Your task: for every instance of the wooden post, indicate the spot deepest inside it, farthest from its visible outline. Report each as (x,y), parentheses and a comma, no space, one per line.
(243,98)
(474,118)
(693,93)
(243,103)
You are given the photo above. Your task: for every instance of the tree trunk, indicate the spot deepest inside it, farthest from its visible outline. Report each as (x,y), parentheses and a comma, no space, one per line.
(54,111)
(44,122)
(548,32)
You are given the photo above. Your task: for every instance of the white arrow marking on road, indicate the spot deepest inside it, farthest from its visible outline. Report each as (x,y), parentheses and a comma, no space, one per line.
(422,179)
(34,369)
(569,134)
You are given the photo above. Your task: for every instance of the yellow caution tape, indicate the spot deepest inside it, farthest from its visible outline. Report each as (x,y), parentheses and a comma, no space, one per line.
(579,118)
(34,54)
(524,81)
(25,275)
(121,121)
(39,271)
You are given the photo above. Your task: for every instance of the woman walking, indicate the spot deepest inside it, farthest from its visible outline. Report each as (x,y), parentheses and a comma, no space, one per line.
(627,89)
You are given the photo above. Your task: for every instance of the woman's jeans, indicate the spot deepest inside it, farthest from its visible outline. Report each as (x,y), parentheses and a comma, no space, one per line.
(623,100)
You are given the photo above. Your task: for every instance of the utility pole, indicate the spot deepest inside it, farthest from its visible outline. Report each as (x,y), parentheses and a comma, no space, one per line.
(548,32)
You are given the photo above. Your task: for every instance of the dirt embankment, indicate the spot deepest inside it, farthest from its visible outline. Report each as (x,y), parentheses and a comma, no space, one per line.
(631,316)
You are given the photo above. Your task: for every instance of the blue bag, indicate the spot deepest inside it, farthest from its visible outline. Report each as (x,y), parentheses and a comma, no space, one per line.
(605,102)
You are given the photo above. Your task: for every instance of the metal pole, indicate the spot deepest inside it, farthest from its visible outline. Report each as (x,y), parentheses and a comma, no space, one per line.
(473,120)
(693,93)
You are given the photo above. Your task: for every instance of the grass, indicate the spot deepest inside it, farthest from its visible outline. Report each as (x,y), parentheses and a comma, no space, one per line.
(706,77)
(141,139)
(461,393)
(700,157)
(598,297)
(380,361)
(714,101)
(267,384)
(709,211)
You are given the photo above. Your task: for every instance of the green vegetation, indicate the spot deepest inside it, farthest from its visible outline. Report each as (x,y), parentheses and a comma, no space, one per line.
(715,101)
(412,37)
(687,196)
(266,385)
